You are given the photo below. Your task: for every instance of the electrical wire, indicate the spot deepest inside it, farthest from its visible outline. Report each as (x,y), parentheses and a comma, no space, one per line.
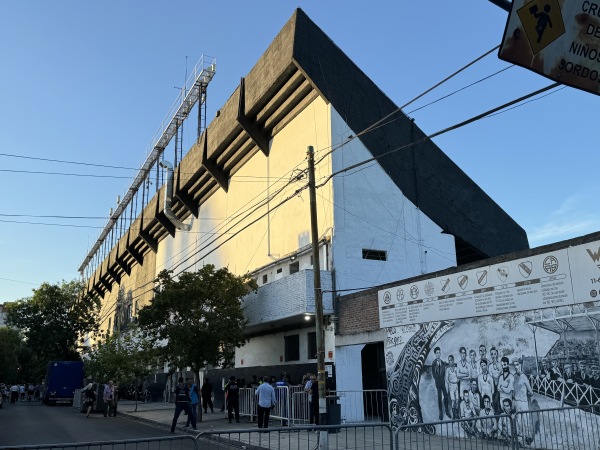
(443,131)
(372,127)
(328,178)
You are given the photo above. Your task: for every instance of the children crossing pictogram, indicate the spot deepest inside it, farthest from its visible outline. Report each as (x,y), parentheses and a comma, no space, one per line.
(543,23)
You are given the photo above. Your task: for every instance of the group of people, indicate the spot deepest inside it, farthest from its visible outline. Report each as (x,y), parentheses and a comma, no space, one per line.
(109,396)
(187,400)
(21,392)
(573,373)
(268,396)
(478,386)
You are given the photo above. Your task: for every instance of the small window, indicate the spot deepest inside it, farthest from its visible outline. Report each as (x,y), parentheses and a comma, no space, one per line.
(295,267)
(280,270)
(311,260)
(375,255)
(292,348)
(312,345)
(265,279)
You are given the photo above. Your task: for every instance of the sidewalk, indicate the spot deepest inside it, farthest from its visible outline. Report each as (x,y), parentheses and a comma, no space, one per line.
(355,436)
(161,413)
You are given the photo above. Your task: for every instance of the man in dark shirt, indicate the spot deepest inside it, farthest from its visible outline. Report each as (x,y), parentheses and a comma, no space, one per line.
(182,403)
(206,392)
(232,394)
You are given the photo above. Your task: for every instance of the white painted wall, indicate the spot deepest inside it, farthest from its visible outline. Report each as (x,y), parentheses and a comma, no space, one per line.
(348,367)
(284,230)
(372,213)
(270,349)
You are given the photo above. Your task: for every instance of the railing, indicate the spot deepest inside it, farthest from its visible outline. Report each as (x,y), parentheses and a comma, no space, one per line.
(573,394)
(370,405)
(163,443)
(292,406)
(549,429)
(560,428)
(356,437)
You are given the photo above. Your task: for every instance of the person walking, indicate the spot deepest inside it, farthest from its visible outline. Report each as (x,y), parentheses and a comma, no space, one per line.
(14,394)
(89,394)
(206,393)
(266,400)
(193,387)
(110,399)
(182,403)
(232,394)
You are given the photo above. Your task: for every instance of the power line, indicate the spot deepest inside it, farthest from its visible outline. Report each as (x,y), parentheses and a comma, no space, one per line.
(34,172)
(62,161)
(445,130)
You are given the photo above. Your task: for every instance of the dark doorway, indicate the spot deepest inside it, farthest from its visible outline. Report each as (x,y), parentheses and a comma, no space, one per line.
(374,382)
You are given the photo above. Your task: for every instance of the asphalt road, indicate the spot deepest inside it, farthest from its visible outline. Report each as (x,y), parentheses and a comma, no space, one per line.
(29,423)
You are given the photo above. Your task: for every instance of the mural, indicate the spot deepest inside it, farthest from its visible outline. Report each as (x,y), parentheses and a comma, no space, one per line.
(485,366)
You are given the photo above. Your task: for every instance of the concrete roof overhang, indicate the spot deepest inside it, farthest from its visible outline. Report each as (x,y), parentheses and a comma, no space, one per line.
(301,64)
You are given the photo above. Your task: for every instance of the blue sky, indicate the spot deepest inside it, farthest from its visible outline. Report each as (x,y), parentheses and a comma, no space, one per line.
(91,82)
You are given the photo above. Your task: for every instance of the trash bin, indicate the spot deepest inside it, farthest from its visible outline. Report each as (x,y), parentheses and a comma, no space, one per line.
(334,412)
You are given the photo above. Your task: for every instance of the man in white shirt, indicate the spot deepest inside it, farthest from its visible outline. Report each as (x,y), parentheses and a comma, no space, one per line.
(266,400)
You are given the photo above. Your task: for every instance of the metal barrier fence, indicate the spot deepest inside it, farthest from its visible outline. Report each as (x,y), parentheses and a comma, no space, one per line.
(472,434)
(569,428)
(162,443)
(356,437)
(370,405)
(293,405)
(559,428)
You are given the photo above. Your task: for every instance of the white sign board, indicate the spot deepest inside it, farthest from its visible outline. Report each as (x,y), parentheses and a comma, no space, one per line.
(559,39)
(559,278)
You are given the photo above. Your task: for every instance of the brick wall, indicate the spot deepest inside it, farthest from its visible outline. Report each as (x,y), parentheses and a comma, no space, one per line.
(358,313)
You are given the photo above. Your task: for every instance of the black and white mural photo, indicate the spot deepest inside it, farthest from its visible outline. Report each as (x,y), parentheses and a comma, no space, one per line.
(515,362)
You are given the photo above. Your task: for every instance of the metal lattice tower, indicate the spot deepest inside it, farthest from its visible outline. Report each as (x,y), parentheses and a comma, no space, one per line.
(195,93)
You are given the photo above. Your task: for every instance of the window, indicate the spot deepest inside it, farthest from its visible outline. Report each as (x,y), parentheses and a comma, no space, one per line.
(295,267)
(292,348)
(312,345)
(265,279)
(376,255)
(280,270)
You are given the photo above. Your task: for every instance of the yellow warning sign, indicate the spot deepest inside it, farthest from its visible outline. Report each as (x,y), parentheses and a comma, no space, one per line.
(543,23)
(559,39)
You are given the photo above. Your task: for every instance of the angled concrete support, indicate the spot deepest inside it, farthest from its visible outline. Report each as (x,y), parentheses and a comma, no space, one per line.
(132,251)
(220,177)
(123,266)
(115,276)
(185,198)
(106,284)
(99,291)
(256,134)
(166,223)
(152,243)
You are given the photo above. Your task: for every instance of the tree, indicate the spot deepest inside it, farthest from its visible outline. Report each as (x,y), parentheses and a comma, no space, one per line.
(53,320)
(198,319)
(10,347)
(122,358)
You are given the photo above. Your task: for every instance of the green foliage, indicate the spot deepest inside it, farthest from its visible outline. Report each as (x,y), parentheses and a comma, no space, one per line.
(10,345)
(52,321)
(198,318)
(122,358)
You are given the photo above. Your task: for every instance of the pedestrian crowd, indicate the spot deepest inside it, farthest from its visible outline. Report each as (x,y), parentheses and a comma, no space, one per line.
(24,392)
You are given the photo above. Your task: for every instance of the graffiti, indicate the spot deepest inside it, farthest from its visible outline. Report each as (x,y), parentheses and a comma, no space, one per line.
(404,396)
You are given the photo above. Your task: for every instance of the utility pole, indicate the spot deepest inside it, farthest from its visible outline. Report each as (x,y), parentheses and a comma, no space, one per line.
(318,295)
